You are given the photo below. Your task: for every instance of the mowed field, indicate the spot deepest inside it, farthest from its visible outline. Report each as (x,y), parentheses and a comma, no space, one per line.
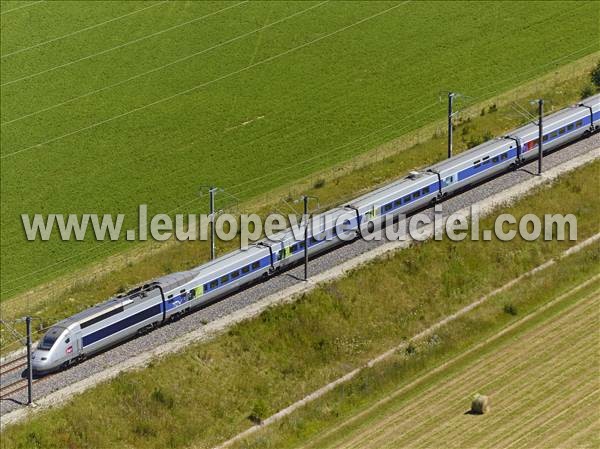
(108,105)
(543,385)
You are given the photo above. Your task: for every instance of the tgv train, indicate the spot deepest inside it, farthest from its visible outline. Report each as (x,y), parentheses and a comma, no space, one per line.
(173,295)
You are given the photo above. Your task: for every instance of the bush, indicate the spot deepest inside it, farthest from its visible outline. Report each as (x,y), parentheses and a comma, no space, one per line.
(587,91)
(510,309)
(320,183)
(259,412)
(411,349)
(33,440)
(596,76)
(474,141)
(162,398)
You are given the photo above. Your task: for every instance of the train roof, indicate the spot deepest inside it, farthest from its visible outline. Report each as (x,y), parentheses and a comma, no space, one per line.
(98,308)
(593,101)
(498,143)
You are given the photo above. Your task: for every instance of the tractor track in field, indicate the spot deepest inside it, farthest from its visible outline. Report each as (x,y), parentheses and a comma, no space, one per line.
(214,319)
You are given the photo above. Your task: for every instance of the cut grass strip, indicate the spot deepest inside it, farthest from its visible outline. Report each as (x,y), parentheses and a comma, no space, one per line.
(463,387)
(531,401)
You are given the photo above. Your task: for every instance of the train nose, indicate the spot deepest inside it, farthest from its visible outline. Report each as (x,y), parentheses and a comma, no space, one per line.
(40,361)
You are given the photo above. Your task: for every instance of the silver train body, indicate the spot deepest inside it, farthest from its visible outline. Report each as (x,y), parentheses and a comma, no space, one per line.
(169,297)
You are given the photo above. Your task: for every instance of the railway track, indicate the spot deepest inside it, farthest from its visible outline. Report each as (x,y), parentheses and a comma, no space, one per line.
(17,385)
(6,391)
(13,365)
(14,387)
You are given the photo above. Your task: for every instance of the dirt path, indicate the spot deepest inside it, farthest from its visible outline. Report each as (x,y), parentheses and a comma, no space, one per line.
(546,381)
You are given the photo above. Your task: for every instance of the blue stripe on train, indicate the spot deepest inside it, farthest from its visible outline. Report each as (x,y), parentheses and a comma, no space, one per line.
(471,171)
(132,320)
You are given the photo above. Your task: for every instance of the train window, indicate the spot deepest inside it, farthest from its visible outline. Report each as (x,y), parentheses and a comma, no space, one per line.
(553,134)
(504,156)
(224,279)
(477,163)
(398,202)
(570,127)
(214,284)
(182,291)
(301,245)
(101,317)
(406,199)
(495,159)
(545,138)
(486,159)
(294,247)
(388,207)
(255,265)
(579,123)
(246,269)
(561,131)
(169,297)
(50,338)
(425,190)
(68,340)
(416,194)
(235,274)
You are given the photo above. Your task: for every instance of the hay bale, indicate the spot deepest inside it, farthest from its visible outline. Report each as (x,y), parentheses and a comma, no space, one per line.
(480,404)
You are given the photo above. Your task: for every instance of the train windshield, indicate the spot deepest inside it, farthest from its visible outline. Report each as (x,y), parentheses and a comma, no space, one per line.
(50,338)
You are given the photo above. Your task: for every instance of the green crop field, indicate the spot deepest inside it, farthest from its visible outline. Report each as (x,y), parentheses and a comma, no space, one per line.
(107,105)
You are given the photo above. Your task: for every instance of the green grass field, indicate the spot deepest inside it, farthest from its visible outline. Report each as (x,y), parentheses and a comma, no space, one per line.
(115,104)
(206,393)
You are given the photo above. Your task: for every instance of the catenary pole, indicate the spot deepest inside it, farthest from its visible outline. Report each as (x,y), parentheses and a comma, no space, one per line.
(540,134)
(305,198)
(29,364)
(211,191)
(450,101)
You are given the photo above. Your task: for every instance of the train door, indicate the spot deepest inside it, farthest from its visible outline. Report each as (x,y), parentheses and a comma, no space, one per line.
(449,180)
(77,342)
